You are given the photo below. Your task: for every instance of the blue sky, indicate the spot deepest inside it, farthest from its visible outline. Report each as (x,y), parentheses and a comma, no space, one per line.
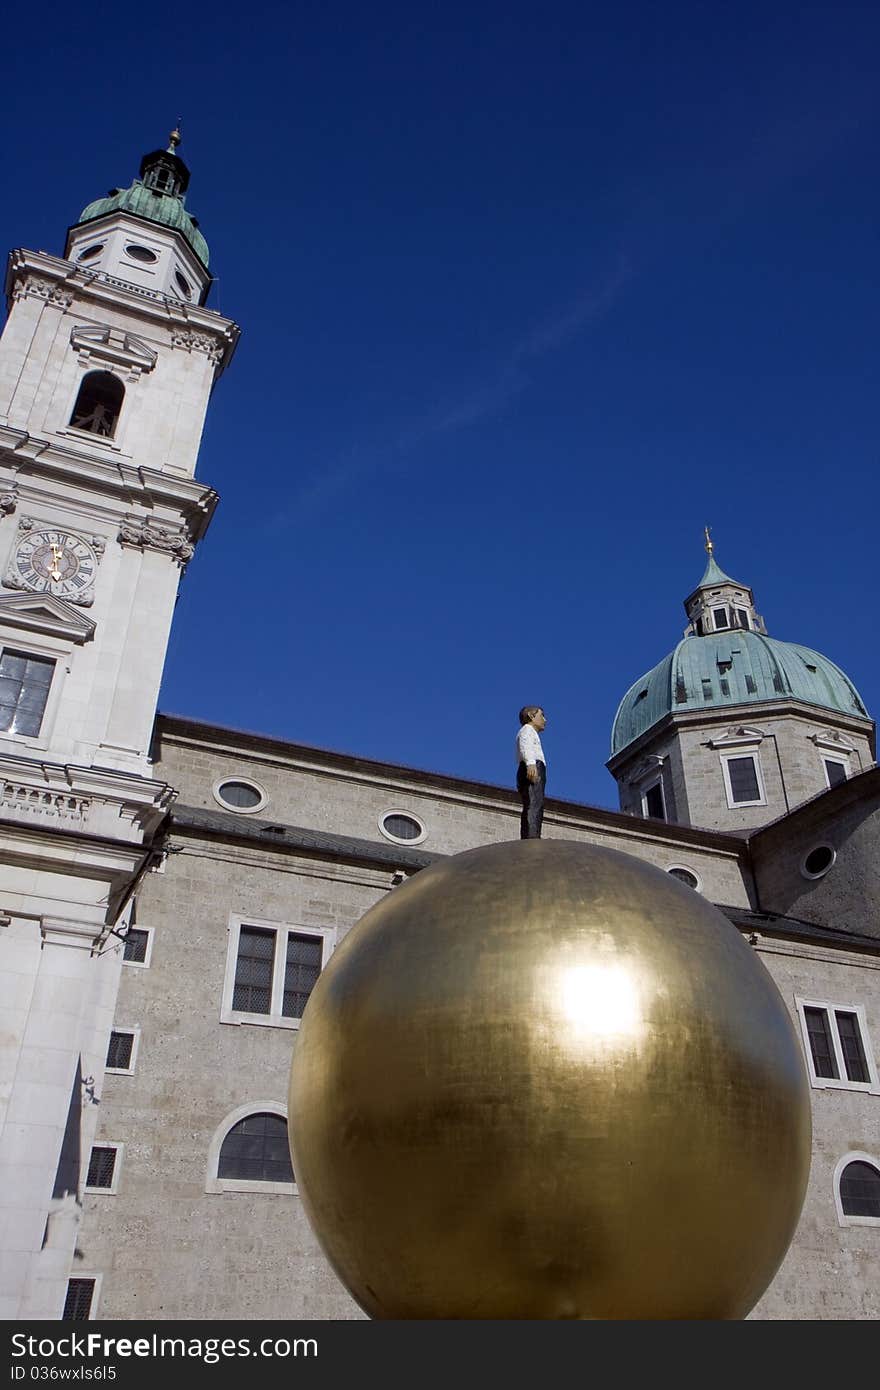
(528,297)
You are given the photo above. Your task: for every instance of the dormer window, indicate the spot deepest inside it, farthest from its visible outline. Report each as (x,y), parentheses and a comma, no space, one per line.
(719,617)
(98,404)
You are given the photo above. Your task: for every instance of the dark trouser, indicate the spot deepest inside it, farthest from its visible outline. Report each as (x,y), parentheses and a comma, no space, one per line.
(532,794)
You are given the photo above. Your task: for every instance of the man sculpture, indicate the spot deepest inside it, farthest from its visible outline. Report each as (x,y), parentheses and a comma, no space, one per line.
(531,771)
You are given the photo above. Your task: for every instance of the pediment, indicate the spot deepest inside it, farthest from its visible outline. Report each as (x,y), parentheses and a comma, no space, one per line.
(43,613)
(109,344)
(834,741)
(738,735)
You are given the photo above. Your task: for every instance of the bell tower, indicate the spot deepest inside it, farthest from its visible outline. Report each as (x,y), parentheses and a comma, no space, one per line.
(107,363)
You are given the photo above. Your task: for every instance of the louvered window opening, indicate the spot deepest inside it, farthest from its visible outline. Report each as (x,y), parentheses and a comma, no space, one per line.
(256,1150)
(860,1190)
(301,971)
(119,1051)
(78,1302)
(101,1166)
(24,690)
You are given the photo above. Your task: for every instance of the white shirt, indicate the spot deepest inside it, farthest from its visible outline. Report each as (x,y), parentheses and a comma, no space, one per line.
(528,746)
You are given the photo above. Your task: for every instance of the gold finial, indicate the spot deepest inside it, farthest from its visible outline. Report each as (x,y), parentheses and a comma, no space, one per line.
(709,546)
(174,138)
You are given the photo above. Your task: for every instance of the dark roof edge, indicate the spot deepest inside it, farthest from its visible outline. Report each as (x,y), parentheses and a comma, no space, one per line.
(775,924)
(833,799)
(729,841)
(296,838)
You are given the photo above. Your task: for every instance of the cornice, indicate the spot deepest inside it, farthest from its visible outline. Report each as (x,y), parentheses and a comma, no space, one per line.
(750,713)
(65,796)
(324,762)
(26,456)
(193,328)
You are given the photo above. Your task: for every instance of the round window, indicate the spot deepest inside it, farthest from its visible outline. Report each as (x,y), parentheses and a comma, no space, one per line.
(684,876)
(141,253)
(183,285)
(91,252)
(238,795)
(402,827)
(818,861)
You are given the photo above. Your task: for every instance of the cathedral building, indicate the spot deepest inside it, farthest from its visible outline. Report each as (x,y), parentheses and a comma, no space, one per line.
(171,889)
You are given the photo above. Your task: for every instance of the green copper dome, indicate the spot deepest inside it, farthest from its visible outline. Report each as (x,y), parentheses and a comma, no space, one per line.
(738,667)
(157,196)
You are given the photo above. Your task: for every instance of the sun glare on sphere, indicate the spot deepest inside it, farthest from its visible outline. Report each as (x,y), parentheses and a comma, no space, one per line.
(601,1001)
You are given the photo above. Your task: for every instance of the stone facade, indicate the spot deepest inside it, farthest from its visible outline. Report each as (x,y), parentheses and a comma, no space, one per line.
(195,1070)
(97,521)
(130,874)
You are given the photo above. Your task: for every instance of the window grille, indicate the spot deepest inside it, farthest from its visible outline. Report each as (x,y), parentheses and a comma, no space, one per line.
(257,1150)
(78,1303)
(135,945)
(860,1190)
(119,1051)
(102,1163)
(253,973)
(301,970)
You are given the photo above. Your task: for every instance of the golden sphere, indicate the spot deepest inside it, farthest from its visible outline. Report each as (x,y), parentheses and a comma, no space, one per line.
(546,1080)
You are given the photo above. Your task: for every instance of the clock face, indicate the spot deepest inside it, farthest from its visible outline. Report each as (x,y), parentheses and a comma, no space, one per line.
(55,562)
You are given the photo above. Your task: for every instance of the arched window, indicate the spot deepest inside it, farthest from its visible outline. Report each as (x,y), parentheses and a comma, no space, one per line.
(860,1190)
(250,1151)
(98,404)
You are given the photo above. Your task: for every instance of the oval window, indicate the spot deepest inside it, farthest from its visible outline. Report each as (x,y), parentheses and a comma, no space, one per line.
(91,252)
(402,827)
(239,795)
(141,253)
(183,285)
(684,876)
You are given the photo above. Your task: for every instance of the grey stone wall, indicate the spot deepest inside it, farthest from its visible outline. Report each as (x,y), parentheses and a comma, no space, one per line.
(848,895)
(831,1269)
